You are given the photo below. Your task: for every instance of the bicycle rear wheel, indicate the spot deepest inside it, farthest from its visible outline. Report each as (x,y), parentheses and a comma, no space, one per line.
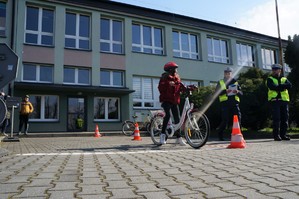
(197,129)
(128,128)
(155,129)
(3,111)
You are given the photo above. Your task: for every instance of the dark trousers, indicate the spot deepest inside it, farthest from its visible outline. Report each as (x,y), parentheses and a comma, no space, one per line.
(228,110)
(280,116)
(175,112)
(23,122)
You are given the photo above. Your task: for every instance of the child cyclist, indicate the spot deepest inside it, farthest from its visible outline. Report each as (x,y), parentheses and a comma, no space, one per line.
(170,87)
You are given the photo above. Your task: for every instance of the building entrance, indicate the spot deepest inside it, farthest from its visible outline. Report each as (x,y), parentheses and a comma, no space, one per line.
(76,114)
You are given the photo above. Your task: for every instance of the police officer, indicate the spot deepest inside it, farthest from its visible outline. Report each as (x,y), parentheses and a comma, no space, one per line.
(229,96)
(278,96)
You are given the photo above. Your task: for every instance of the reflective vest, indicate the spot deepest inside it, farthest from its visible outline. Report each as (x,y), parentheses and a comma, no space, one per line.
(273,94)
(224,97)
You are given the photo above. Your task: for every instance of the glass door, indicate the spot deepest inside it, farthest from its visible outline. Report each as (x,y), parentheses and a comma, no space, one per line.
(76,120)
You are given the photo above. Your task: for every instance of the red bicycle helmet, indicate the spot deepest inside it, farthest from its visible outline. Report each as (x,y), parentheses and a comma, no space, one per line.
(170,65)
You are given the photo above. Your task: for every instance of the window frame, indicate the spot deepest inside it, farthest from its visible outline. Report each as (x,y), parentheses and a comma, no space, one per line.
(265,64)
(213,57)
(43,109)
(111,78)
(106,111)
(189,52)
(3,28)
(76,78)
(143,46)
(110,41)
(39,32)
(77,36)
(38,73)
(155,93)
(250,58)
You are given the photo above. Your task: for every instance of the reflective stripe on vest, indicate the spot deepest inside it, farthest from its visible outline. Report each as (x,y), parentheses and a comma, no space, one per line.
(224,97)
(273,94)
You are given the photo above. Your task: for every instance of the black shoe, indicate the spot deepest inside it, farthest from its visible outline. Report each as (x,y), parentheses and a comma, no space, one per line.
(278,138)
(285,138)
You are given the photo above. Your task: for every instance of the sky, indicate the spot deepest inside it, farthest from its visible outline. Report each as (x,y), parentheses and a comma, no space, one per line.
(253,15)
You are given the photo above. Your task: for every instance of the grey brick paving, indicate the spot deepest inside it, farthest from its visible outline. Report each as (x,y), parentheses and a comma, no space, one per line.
(117,167)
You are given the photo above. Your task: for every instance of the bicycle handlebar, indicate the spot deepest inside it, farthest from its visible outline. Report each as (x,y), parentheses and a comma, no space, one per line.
(189,88)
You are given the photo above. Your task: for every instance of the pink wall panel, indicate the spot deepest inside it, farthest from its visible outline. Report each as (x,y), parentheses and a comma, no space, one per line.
(38,54)
(113,61)
(77,58)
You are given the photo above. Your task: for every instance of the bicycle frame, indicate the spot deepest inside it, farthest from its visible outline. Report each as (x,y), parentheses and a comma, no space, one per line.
(188,107)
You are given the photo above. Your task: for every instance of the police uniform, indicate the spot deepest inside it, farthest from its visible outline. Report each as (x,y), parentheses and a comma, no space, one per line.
(229,103)
(279,98)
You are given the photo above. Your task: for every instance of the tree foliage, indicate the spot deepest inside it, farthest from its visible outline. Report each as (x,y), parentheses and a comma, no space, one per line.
(254,104)
(292,59)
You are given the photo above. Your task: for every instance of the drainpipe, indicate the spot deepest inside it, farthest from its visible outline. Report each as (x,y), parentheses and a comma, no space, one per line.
(12,38)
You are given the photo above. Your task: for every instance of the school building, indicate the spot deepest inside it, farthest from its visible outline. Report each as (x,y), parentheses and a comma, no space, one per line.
(88,62)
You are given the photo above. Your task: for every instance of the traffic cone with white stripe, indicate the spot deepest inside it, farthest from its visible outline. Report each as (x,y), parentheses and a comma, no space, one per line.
(237,140)
(97,132)
(137,133)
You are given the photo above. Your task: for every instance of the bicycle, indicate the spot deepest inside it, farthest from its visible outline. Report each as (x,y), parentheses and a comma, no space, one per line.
(128,126)
(194,123)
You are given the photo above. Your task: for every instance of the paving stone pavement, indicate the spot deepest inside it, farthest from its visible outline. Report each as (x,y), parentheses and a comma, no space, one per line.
(116,167)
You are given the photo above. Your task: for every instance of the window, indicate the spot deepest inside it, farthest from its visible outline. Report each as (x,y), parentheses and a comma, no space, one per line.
(77,30)
(37,73)
(147,39)
(76,76)
(217,50)
(245,55)
(188,82)
(185,45)
(111,36)
(106,109)
(45,107)
(268,58)
(2,18)
(112,78)
(39,26)
(146,93)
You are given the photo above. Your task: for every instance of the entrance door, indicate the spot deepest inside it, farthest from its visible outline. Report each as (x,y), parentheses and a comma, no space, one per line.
(76,114)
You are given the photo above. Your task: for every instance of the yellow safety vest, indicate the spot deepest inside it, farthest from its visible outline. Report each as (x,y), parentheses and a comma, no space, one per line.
(224,97)
(273,94)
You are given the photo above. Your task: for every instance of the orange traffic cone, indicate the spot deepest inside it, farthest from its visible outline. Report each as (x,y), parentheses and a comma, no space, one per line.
(237,140)
(97,132)
(137,133)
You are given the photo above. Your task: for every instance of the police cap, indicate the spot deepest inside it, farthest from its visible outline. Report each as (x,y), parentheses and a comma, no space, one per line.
(228,69)
(276,66)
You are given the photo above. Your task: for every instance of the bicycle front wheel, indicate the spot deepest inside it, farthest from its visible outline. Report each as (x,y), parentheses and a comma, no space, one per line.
(197,130)
(155,129)
(128,128)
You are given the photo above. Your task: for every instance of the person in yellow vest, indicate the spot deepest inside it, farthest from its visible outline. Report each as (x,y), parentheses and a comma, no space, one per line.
(26,109)
(278,96)
(229,92)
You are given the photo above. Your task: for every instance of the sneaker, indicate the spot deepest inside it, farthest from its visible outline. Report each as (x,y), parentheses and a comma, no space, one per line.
(19,133)
(26,133)
(5,134)
(180,141)
(162,139)
(285,138)
(277,138)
